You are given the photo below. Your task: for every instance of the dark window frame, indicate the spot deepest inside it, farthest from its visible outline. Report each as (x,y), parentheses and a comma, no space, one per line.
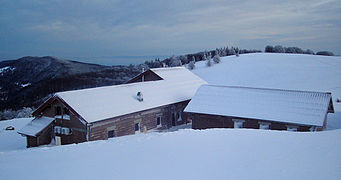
(137,127)
(111,134)
(158,121)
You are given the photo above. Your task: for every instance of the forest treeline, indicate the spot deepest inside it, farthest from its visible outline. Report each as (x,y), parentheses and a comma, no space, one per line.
(226,51)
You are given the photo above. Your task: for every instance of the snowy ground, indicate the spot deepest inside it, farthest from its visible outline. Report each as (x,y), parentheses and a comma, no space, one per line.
(185,154)
(11,140)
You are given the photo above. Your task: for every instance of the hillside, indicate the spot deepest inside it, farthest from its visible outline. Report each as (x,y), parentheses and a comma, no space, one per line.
(34,69)
(26,81)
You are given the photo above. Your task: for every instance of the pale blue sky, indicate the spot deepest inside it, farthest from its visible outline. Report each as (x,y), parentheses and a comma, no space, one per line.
(97,28)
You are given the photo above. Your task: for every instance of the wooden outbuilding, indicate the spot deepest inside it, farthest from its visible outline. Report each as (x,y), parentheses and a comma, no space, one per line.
(155,99)
(259,108)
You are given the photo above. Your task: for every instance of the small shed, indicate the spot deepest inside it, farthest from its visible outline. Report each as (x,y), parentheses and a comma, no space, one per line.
(245,107)
(38,131)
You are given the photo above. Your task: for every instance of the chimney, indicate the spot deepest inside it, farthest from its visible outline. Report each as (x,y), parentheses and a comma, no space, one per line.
(139,96)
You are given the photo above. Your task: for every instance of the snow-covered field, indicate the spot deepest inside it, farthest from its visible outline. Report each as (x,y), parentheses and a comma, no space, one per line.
(185,154)
(205,154)
(11,140)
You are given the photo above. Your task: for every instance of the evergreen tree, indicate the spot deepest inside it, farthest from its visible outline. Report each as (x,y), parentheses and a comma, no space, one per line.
(191,65)
(209,61)
(269,49)
(216,58)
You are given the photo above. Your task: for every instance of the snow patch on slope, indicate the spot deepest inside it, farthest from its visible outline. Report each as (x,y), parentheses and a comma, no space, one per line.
(5,69)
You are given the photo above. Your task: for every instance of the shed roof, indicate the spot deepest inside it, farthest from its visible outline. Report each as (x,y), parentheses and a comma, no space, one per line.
(95,104)
(36,126)
(297,107)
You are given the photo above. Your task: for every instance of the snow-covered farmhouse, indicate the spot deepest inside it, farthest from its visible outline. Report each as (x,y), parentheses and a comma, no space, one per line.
(259,108)
(154,99)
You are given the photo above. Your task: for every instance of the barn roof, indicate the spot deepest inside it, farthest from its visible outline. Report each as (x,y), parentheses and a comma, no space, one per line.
(36,126)
(175,74)
(297,107)
(95,104)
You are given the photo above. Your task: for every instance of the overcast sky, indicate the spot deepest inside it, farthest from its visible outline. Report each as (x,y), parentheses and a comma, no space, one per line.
(96,28)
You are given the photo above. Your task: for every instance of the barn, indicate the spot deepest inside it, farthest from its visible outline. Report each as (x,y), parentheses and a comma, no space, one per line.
(259,108)
(155,99)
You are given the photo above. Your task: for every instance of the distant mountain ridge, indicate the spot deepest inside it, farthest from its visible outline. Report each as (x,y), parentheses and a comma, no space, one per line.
(34,69)
(27,80)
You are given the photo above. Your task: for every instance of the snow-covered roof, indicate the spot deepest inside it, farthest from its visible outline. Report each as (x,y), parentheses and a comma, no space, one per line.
(297,107)
(175,74)
(36,126)
(101,103)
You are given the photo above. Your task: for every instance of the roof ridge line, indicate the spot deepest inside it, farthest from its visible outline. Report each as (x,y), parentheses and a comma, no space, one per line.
(270,89)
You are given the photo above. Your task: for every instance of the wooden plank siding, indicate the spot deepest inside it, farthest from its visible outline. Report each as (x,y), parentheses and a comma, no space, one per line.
(147,76)
(125,125)
(78,129)
(205,121)
(43,138)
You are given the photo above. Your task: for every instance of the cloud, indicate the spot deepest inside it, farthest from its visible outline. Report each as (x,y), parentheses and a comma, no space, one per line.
(98,28)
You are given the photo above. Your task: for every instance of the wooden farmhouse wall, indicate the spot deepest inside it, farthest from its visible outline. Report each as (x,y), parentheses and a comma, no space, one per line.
(65,118)
(145,76)
(171,115)
(205,121)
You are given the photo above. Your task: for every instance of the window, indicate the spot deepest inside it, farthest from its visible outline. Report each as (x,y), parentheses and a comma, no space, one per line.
(291,128)
(264,125)
(137,127)
(58,110)
(65,131)
(57,130)
(238,123)
(158,122)
(66,111)
(62,130)
(111,134)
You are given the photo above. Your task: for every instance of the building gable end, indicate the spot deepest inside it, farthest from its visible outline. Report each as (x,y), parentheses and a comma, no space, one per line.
(60,100)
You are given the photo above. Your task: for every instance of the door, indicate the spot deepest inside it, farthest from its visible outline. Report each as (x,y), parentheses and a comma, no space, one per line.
(58,140)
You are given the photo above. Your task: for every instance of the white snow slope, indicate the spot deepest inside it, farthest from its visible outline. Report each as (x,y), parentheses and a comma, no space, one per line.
(185,154)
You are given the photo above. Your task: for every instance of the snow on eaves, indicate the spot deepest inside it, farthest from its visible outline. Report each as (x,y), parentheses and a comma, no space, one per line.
(36,126)
(297,107)
(101,103)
